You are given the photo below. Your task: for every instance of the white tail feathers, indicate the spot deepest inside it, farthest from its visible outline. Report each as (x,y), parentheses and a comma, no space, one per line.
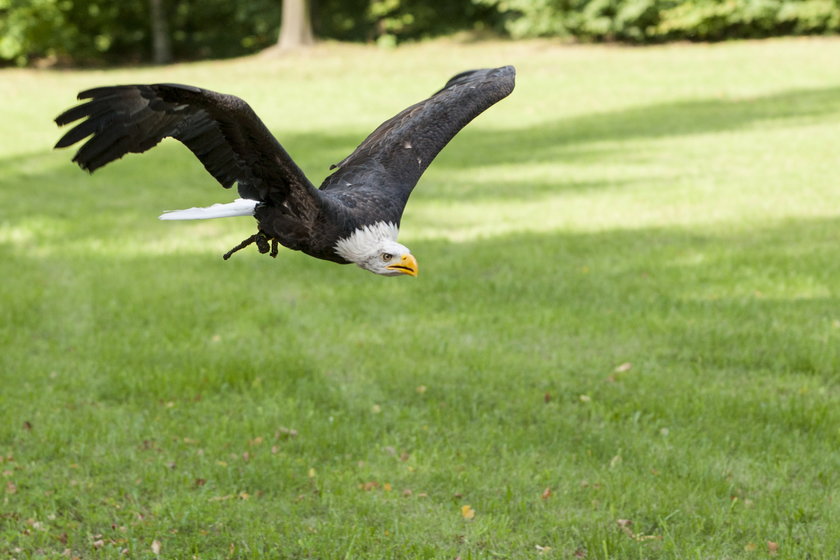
(239,207)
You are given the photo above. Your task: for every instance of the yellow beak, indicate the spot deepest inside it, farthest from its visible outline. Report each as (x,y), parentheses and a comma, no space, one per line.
(407,265)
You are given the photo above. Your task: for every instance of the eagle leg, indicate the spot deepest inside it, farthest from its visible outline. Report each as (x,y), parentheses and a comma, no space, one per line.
(263,242)
(258,238)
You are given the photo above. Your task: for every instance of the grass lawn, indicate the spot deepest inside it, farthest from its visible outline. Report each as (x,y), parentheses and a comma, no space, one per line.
(624,341)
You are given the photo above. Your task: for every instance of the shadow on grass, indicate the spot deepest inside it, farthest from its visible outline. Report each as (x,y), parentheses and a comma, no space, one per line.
(170,325)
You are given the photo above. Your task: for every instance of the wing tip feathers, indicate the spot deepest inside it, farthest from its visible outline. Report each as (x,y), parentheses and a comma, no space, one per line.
(483,75)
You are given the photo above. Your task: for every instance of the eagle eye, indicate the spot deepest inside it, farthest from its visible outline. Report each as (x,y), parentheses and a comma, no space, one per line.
(387,257)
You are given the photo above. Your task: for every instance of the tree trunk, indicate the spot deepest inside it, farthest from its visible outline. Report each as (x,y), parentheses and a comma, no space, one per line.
(296,25)
(161,46)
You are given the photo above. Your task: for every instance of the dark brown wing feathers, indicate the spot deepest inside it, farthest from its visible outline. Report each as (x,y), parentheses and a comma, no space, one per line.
(396,154)
(373,183)
(221,130)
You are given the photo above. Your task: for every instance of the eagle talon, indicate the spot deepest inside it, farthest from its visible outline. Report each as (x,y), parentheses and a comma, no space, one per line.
(274,249)
(262,243)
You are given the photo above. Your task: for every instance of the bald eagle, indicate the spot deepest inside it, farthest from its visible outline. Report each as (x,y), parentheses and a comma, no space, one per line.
(354,216)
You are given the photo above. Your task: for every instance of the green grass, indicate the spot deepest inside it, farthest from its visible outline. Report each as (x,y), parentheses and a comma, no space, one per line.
(672,208)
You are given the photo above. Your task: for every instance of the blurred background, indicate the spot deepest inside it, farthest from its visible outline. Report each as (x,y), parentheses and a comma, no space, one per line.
(142,31)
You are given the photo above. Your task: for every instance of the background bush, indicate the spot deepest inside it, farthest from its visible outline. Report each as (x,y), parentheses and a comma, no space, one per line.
(97,31)
(649,21)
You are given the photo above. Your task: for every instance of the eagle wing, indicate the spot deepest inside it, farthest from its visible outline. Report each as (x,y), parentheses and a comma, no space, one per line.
(221,130)
(388,163)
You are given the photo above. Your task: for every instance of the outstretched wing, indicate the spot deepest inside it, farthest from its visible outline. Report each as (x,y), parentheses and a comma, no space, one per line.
(391,160)
(221,130)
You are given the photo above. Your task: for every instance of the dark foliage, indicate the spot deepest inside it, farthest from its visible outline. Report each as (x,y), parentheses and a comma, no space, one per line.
(650,21)
(100,31)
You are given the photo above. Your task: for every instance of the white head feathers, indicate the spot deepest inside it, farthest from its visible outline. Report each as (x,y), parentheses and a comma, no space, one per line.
(374,247)
(362,241)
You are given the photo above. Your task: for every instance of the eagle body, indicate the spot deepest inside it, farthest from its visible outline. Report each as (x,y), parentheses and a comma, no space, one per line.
(353,217)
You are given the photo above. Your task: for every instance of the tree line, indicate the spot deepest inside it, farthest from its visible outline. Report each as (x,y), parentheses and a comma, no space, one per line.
(139,31)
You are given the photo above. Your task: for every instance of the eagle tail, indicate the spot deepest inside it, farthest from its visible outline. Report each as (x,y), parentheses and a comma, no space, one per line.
(239,207)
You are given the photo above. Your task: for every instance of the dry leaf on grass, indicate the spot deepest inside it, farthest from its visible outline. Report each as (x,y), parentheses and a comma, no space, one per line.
(625,525)
(283,432)
(156,547)
(220,498)
(622,368)
(467,512)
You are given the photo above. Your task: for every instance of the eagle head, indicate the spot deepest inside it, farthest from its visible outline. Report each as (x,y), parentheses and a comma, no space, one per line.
(375,248)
